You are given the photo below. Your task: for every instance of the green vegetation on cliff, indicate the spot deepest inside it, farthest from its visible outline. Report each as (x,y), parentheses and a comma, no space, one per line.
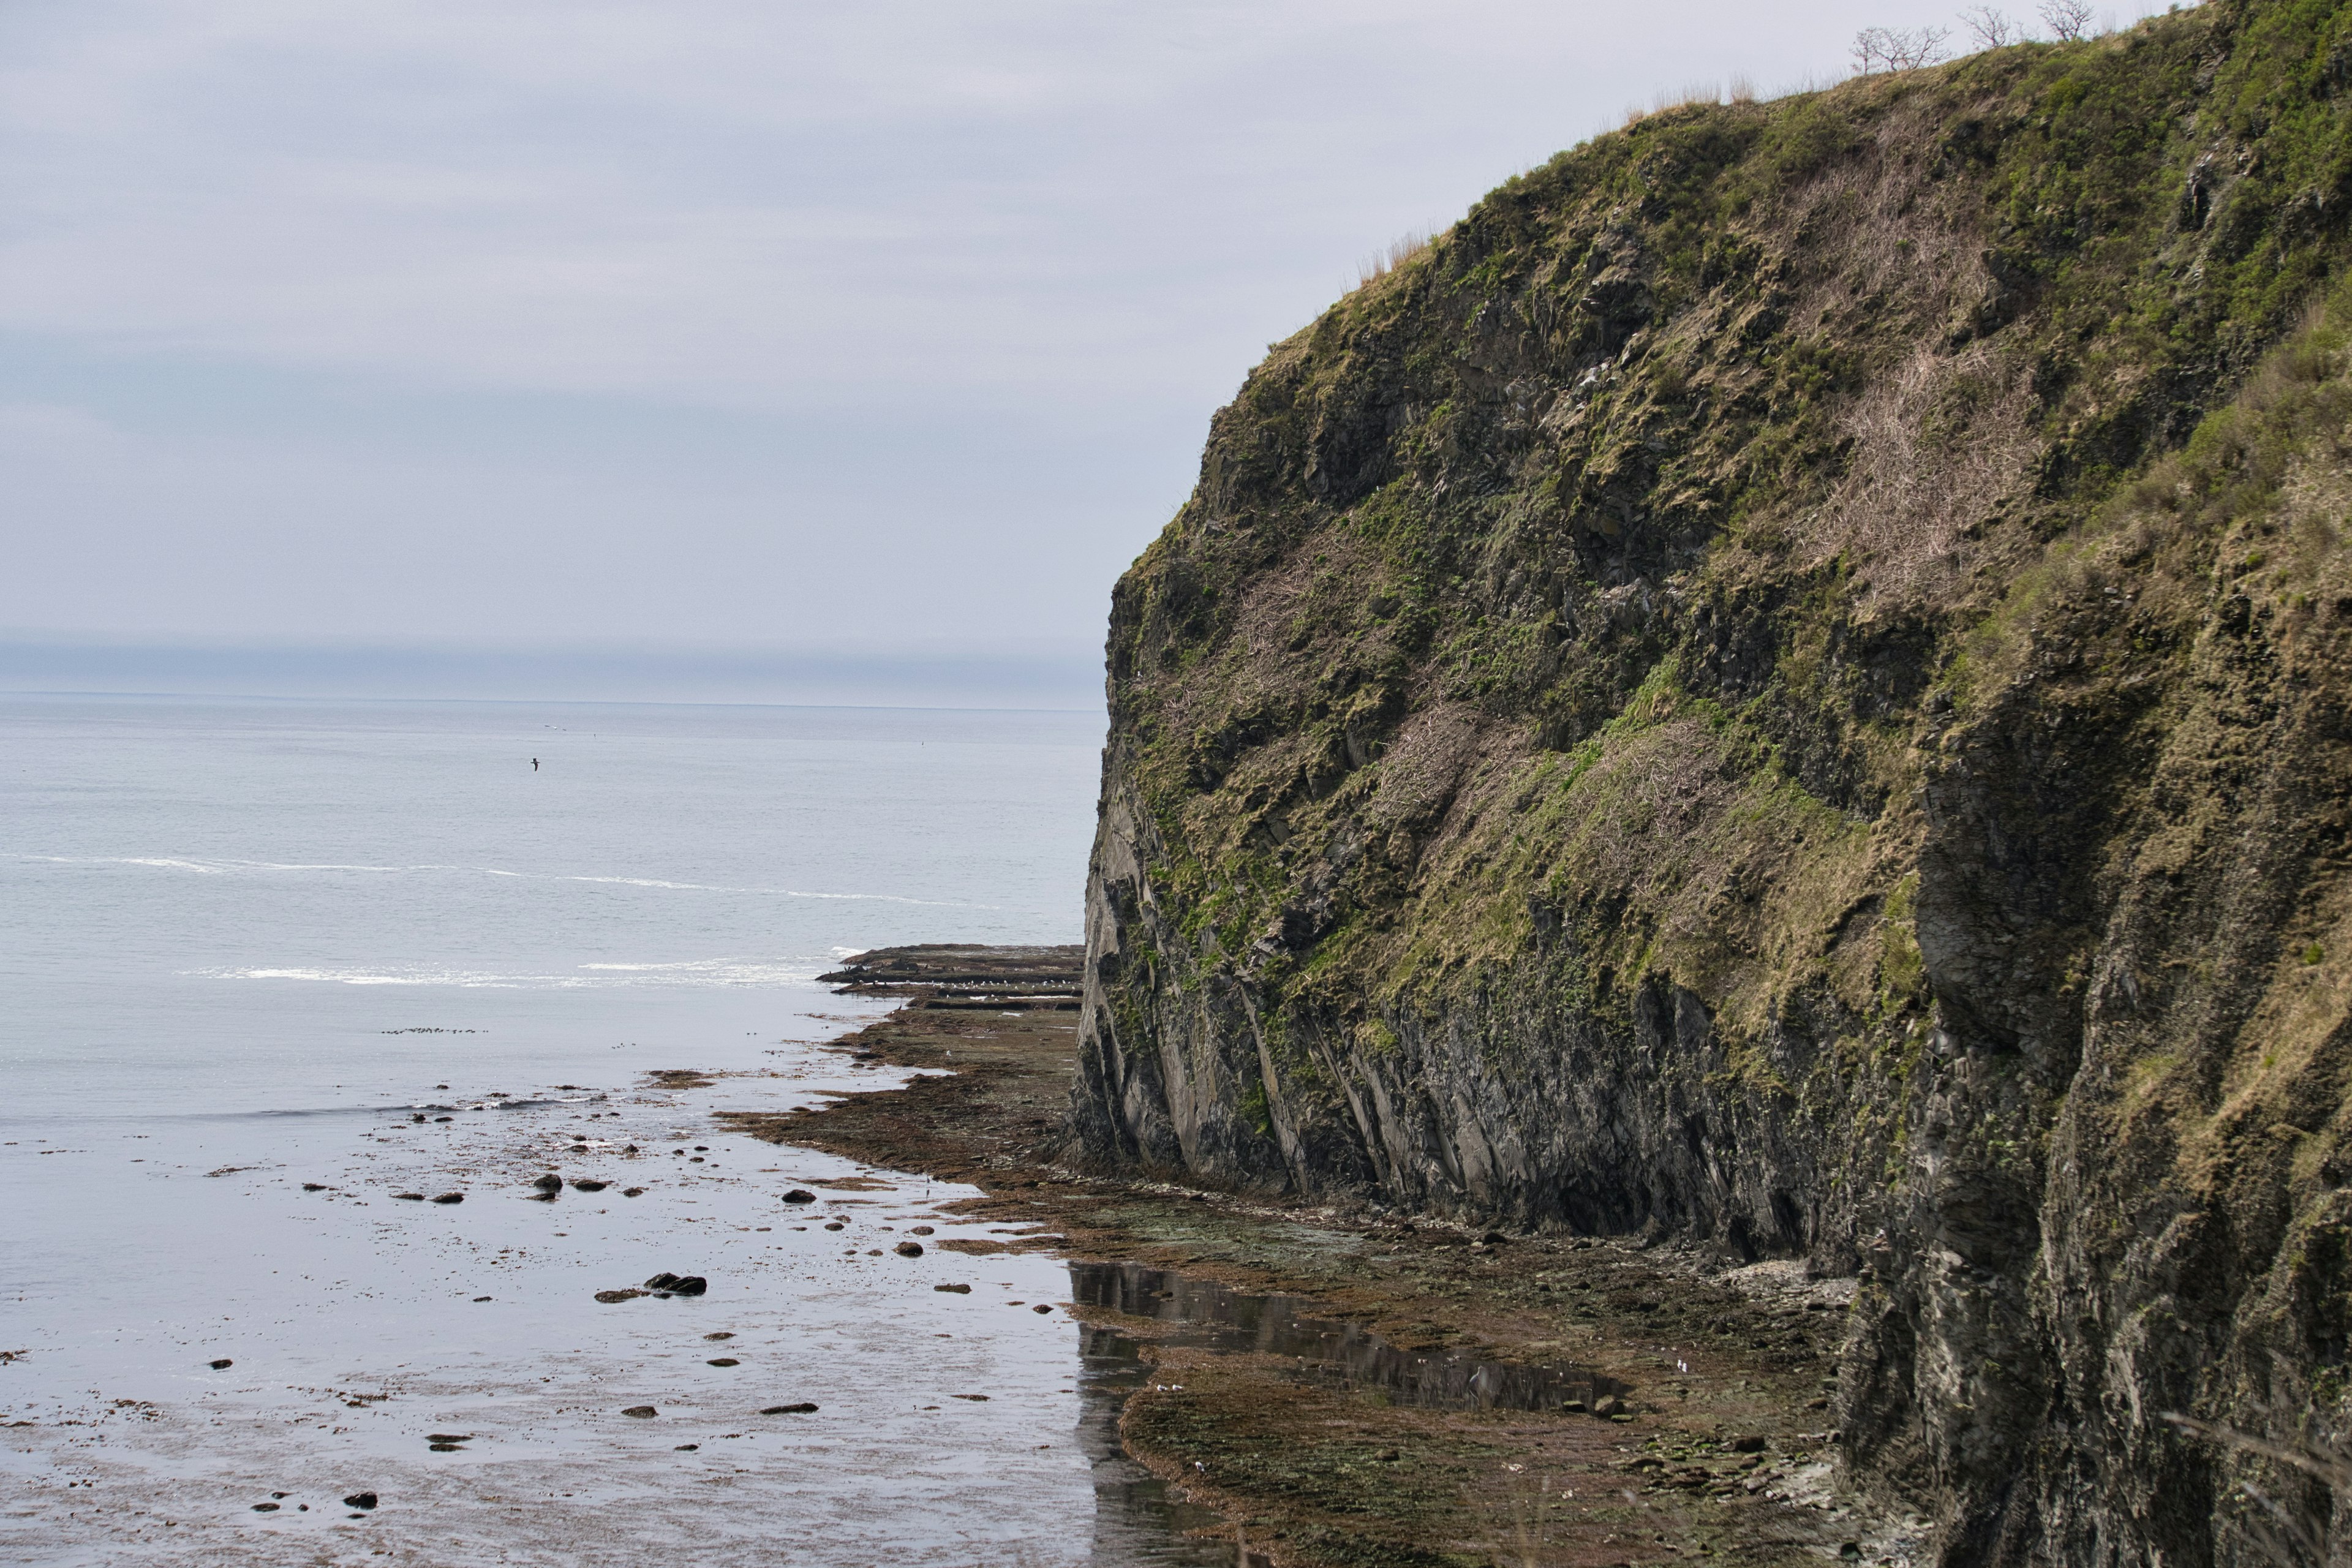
(1788,681)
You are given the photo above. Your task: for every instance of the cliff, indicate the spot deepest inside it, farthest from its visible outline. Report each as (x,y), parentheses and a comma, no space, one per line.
(1785,683)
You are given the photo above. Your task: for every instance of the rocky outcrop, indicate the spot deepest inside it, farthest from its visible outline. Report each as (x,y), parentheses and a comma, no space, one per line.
(1786,683)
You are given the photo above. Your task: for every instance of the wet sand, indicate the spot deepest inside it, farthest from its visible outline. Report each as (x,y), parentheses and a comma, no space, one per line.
(1668,1405)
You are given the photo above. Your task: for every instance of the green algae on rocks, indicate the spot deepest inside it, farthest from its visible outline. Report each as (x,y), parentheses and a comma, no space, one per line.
(1786,683)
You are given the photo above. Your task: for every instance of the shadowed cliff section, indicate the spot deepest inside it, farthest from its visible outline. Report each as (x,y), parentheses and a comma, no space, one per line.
(1787,682)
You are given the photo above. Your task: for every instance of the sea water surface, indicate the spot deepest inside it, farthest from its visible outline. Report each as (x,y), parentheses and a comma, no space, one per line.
(269,966)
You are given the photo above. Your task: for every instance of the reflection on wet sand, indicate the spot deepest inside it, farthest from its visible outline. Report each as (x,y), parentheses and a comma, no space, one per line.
(1332,1354)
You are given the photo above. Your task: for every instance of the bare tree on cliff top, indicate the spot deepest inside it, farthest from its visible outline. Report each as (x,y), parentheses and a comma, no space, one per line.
(1897,49)
(1991,30)
(2069,19)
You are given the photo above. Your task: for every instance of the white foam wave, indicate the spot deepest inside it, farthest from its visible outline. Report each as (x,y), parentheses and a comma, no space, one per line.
(218,868)
(710,971)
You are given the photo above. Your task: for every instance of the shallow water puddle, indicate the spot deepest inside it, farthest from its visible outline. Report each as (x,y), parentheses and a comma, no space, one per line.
(1333,1354)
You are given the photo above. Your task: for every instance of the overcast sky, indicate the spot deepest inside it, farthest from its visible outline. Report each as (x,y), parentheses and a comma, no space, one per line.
(745,327)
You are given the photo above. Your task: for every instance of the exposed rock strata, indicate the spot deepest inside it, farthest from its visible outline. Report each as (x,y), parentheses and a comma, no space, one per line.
(1789,681)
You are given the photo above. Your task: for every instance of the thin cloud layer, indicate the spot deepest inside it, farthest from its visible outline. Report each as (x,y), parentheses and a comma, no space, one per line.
(480,318)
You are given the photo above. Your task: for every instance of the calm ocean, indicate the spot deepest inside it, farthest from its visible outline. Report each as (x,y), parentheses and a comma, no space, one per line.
(245,945)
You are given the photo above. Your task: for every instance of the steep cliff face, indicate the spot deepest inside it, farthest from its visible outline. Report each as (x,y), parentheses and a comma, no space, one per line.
(1790,682)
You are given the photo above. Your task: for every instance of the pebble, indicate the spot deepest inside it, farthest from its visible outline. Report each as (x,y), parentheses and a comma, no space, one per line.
(720,1335)
(360,1501)
(449,1198)
(410,1198)
(642,1412)
(314,1186)
(723,1361)
(832,1225)
(632,1192)
(687,1447)
(589,1186)
(919,1230)
(550,1182)
(609,1297)
(222,1365)
(1041,1306)
(908,1249)
(800,1196)
(958,1289)
(265,1508)
(805,1408)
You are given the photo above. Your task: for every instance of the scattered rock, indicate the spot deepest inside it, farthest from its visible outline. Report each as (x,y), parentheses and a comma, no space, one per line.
(539,1197)
(221,1365)
(800,1196)
(1610,1406)
(723,1361)
(589,1186)
(832,1225)
(632,1192)
(958,1289)
(661,1281)
(314,1186)
(609,1297)
(975,1398)
(919,1230)
(442,1118)
(482,1298)
(628,1148)
(265,1508)
(690,1285)
(550,1182)
(448,1436)
(805,1408)
(687,1447)
(1041,1306)
(642,1412)
(360,1501)
(908,1249)
(1572,1406)
(449,1197)
(410,1198)
(444,1447)
(1748,1445)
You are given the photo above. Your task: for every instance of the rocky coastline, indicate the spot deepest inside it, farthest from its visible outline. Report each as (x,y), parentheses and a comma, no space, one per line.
(1698,1421)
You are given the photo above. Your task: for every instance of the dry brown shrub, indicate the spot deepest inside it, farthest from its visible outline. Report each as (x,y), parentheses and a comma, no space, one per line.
(1924,470)
(1423,768)
(1941,437)
(1398,251)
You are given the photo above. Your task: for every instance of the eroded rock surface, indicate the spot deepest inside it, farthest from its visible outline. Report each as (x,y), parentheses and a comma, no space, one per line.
(1786,683)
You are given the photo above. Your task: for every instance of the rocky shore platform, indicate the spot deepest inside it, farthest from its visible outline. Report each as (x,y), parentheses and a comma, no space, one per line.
(1357,1386)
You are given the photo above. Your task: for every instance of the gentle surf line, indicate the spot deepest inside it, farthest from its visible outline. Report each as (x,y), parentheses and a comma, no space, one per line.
(220,868)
